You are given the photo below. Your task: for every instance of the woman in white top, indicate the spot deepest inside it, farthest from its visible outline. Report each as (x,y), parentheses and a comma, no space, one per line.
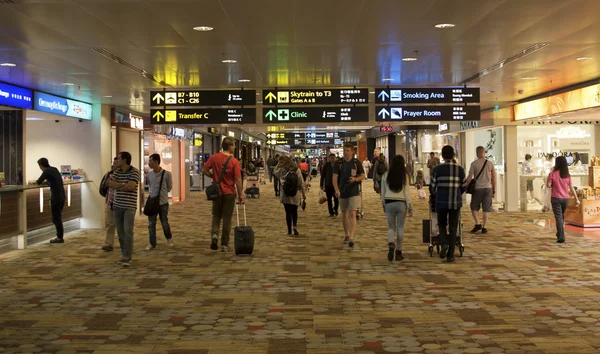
(396,204)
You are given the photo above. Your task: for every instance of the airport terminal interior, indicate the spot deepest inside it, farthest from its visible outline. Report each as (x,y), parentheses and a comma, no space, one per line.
(459,135)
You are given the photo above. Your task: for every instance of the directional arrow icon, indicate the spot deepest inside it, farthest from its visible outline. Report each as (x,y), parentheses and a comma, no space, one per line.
(158,97)
(383,112)
(270,96)
(383,95)
(270,114)
(158,115)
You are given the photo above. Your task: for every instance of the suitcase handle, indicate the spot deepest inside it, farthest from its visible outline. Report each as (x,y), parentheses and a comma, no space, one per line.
(237,213)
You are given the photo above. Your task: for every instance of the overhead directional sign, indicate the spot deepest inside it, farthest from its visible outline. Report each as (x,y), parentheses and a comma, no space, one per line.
(15,96)
(203,116)
(427,113)
(305,135)
(315,115)
(203,98)
(315,97)
(305,142)
(427,95)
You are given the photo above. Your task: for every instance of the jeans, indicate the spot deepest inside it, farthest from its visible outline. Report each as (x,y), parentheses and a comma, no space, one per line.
(270,169)
(124,219)
(450,216)
(110,227)
(559,207)
(56,206)
(291,216)
(163,214)
(276,185)
(222,208)
(396,216)
(332,201)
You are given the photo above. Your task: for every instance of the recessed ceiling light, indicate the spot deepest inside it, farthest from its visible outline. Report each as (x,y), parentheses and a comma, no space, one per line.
(528,78)
(229,61)
(388,79)
(8,64)
(490,91)
(258,94)
(68,83)
(372,92)
(107,96)
(445,25)
(243,80)
(585,58)
(409,59)
(33,118)
(203,28)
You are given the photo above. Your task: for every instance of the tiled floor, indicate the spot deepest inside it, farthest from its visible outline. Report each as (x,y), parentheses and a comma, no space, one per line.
(514,291)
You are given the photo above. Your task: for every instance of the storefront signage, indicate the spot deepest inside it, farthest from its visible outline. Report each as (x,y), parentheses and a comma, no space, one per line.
(469,125)
(443,127)
(197,139)
(427,113)
(575,144)
(136,122)
(316,115)
(62,106)
(587,97)
(203,98)
(388,129)
(14,96)
(427,95)
(203,116)
(315,97)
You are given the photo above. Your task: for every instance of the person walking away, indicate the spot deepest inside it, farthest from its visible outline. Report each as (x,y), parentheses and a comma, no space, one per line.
(292,189)
(485,188)
(276,181)
(57,196)
(379,168)
(109,215)
(304,169)
(347,174)
(396,204)
(271,163)
(560,182)
(327,186)
(432,163)
(229,181)
(448,183)
(527,170)
(161,183)
(366,166)
(125,182)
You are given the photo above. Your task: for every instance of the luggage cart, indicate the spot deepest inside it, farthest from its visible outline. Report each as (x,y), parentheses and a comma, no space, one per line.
(433,230)
(360,213)
(262,175)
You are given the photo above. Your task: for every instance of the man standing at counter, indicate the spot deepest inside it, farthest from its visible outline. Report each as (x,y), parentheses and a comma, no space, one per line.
(125,183)
(57,196)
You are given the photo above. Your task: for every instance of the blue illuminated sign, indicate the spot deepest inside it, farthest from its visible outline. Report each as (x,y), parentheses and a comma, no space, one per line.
(63,106)
(15,96)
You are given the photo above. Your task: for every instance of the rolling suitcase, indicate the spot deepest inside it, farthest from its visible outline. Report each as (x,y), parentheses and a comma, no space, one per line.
(243,240)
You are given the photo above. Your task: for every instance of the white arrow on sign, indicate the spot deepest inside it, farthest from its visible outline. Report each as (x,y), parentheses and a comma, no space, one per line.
(383,95)
(383,112)
(158,97)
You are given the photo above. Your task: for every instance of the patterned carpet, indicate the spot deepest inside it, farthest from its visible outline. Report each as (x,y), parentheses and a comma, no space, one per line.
(514,291)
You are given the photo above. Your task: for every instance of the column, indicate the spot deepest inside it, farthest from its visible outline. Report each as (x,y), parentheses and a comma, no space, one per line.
(511,175)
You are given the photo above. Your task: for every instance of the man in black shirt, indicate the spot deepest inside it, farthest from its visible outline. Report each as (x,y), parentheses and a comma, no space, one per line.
(327,186)
(57,196)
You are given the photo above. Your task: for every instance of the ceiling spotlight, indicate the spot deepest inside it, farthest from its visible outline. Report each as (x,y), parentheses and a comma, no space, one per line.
(243,80)
(203,28)
(528,78)
(409,59)
(8,64)
(229,61)
(584,58)
(107,96)
(373,92)
(490,91)
(445,25)
(68,83)
(388,79)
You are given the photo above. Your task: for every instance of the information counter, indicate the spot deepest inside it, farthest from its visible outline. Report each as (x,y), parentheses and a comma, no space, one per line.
(587,214)
(27,208)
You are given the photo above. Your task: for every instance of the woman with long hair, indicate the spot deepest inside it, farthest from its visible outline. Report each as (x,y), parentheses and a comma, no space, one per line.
(396,204)
(290,202)
(560,182)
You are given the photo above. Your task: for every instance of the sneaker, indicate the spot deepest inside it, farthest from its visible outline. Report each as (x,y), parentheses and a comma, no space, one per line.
(124,263)
(224,249)
(351,244)
(170,242)
(346,239)
(450,259)
(336,213)
(444,251)
(57,240)
(399,255)
(107,248)
(560,241)
(484,230)
(331,215)
(214,243)
(476,228)
(296,233)
(150,248)
(391,249)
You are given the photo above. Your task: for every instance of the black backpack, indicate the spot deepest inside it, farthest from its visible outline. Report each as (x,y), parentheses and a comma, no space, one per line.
(291,184)
(103,190)
(381,169)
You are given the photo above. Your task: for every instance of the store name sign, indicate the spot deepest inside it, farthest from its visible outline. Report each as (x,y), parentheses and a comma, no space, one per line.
(63,106)
(469,125)
(203,98)
(428,95)
(15,96)
(427,113)
(443,127)
(316,115)
(203,116)
(136,122)
(315,96)
(586,97)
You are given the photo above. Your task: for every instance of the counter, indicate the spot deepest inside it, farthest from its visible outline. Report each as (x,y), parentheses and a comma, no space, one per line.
(27,208)
(587,214)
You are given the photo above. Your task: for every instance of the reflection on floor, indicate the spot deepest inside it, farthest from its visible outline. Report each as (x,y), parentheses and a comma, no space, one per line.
(514,291)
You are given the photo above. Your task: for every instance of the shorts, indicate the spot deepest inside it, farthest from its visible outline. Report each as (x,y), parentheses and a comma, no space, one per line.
(351,204)
(529,185)
(484,197)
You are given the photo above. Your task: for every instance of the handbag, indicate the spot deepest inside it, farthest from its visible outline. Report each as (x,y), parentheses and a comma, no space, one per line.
(214,190)
(152,206)
(471,186)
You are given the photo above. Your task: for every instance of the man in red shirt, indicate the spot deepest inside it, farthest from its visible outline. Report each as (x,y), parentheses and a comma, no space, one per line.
(224,204)
(303,168)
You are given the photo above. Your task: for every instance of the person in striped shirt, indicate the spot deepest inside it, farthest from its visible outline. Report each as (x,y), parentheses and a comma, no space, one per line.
(125,182)
(448,183)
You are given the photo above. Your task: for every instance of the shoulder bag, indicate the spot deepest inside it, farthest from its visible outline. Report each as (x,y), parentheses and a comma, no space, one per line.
(214,190)
(152,206)
(471,186)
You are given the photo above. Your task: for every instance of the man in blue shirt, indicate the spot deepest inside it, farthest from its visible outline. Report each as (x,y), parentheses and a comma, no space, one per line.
(347,174)
(448,183)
